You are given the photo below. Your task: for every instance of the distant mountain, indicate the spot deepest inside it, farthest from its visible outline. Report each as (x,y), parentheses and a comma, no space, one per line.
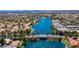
(39,11)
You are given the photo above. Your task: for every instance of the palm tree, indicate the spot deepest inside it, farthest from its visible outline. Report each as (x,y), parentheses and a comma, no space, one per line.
(65,41)
(28,31)
(2,41)
(2,34)
(13,34)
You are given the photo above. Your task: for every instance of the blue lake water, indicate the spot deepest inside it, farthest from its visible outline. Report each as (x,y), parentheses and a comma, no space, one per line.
(44,27)
(45,44)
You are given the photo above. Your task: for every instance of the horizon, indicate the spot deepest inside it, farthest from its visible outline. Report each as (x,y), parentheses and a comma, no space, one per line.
(47,11)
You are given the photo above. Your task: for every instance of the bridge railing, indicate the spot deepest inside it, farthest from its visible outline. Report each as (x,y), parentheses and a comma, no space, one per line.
(44,36)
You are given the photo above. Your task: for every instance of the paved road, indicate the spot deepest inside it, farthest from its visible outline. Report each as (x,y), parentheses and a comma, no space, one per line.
(44,36)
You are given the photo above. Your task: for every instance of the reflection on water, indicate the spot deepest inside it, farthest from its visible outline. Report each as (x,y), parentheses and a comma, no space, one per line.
(45,44)
(44,27)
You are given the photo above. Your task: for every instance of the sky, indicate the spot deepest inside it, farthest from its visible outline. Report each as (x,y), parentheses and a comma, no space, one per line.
(38,4)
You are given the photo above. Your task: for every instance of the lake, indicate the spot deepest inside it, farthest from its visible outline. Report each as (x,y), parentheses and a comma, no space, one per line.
(44,26)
